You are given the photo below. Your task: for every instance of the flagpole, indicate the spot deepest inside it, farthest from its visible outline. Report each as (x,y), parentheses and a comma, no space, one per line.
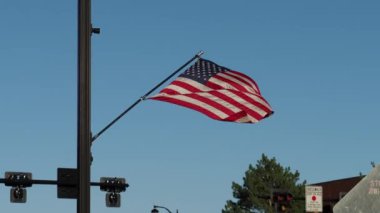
(197,56)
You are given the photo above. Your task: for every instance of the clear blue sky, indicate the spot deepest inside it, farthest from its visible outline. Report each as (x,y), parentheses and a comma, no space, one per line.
(316,62)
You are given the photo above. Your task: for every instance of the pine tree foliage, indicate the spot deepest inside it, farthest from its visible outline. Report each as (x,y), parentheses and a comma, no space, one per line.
(259,184)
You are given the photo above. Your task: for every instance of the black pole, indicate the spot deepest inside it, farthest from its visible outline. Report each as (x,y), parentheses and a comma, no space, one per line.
(144,96)
(84,101)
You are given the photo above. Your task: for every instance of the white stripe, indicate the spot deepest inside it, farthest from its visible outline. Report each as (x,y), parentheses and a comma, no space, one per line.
(236,80)
(250,81)
(203,105)
(258,99)
(178,89)
(220,101)
(243,102)
(244,119)
(252,119)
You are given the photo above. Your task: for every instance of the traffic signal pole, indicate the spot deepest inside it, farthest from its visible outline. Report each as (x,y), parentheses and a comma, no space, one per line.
(75,183)
(84,106)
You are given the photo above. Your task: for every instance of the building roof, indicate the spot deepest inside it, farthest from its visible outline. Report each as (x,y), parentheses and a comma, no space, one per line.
(334,190)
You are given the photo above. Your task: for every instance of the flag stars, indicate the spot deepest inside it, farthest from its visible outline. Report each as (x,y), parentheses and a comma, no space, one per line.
(203,70)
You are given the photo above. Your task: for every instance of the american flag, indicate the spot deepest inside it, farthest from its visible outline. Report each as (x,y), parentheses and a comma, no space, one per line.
(218,92)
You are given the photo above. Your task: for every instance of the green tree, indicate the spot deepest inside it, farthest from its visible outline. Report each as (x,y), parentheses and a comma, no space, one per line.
(261,183)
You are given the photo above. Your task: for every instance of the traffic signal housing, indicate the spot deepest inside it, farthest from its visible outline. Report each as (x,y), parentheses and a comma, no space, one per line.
(18,181)
(113,186)
(282,200)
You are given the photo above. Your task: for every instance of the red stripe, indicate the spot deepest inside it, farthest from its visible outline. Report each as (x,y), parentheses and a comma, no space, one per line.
(237,116)
(169,91)
(243,80)
(232,83)
(207,101)
(188,105)
(180,84)
(230,100)
(213,85)
(231,118)
(186,86)
(252,101)
(247,77)
(212,103)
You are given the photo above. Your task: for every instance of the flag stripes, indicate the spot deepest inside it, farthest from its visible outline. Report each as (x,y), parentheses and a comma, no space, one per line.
(217,92)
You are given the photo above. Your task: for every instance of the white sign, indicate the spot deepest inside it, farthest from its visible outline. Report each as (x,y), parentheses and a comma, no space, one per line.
(314,200)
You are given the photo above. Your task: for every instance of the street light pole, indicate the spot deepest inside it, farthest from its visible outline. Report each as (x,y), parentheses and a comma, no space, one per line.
(84,104)
(154,210)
